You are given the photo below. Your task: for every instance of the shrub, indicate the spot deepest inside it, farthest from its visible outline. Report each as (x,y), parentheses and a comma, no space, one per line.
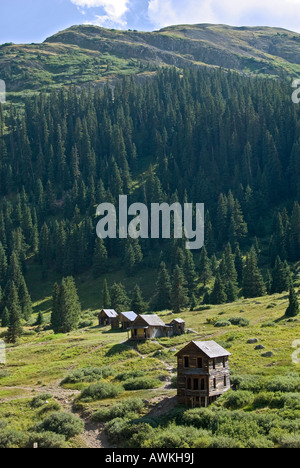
(222,323)
(119,430)
(200,418)
(174,437)
(259,443)
(239,321)
(86,324)
(88,374)
(238,399)
(128,407)
(289,383)
(62,423)
(268,325)
(130,375)
(100,391)
(142,383)
(290,441)
(9,438)
(253,383)
(222,442)
(40,400)
(47,440)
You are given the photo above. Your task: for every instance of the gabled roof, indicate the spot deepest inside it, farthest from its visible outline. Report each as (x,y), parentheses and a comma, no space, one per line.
(131,316)
(210,348)
(178,320)
(111,313)
(152,320)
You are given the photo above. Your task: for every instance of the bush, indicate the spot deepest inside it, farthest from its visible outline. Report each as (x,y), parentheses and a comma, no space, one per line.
(173,437)
(142,383)
(289,383)
(40,400)
(290,441)
(130,375)
(47,440)
(85,324)
(9,438)
(222,323)
(128,407)
(239,321)
(237,399)
(259,443)
(253,383)
(222,442)
(119,430)
(101,391)
(268,325)
(200,418)
(88,374)
(62,423)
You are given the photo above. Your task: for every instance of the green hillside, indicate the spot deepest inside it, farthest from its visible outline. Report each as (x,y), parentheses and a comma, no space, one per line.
(92,55)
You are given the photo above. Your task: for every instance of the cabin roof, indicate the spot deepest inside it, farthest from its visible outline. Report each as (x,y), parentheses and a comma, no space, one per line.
(111,313)
(131,316)
(210,348)
(152,320)
(178,320)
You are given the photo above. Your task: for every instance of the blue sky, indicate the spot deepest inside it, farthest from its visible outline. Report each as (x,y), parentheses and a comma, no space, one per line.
(33,20)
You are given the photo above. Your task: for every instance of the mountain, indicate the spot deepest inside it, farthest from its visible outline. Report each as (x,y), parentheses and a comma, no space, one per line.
(90,54)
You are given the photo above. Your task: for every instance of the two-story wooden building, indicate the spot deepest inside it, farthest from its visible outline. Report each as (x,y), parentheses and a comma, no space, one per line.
(203,373)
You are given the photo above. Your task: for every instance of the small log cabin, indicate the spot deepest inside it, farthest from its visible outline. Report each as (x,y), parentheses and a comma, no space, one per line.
(127,319)
(147,327)
(109,317)
(178,326)
(203,373)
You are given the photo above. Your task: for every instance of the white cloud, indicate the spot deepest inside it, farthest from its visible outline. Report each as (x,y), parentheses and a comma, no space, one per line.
(114,9)
(233,12)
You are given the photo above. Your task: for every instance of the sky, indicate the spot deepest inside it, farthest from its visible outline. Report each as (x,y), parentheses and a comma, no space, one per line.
(26,21)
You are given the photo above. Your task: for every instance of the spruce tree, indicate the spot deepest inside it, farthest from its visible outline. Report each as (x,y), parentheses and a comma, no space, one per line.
(119,299)
(179,297)
(293,308)
(163,288)
(106,300)
(138,304)
(281,277)
(14,330)
(218,294)
(253,283)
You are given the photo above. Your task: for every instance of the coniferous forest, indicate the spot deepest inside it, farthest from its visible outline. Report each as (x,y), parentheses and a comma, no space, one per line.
(210,137)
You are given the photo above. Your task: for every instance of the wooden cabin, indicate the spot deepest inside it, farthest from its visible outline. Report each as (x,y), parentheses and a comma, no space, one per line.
(203,373)
(109,317)
(147,327)
(178,326)
(127,319)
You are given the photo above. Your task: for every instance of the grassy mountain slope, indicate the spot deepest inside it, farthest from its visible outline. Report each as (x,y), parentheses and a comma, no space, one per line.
(90,54)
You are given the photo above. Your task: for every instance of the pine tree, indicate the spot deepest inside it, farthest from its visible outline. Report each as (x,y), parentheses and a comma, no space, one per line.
(190,274)
(253,283)
(218,295)
(14,330)
(163,288)
(281,277)
(106,300)
(204,266)
(66,310)
(100,258)
(5,318)
(293,308)
(138,304)
(179,297)
(119,299)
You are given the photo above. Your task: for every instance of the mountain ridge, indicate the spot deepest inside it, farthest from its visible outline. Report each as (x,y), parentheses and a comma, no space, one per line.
(91,54)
